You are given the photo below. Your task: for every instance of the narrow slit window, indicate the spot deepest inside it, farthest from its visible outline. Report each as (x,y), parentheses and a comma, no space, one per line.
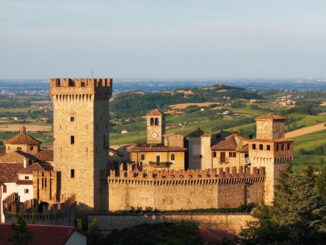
(72,173)
(72,140)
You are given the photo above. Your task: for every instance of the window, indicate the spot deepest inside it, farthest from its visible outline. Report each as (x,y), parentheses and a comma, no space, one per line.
(268,147)
(72,119)
(4,189)
(26,177)
(288,146)
(158,158)
(142,157)
(214,154)
(72,140)
(172,157)
(19,148)
(72,173)
(82,84)
(254,146)
(152,121)
(200,156)
(282,147)
(261,147)
(59,83)
(156,121)
(26,191)
(222,157)
(232,154)
(276,147)
(31,148)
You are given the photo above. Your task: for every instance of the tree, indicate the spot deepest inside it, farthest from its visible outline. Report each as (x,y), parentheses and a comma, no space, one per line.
(298,214)
(93,233)
(22,235)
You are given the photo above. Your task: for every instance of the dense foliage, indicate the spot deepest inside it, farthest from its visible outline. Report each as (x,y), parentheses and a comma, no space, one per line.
(298,215)
(22,235)
(183,233)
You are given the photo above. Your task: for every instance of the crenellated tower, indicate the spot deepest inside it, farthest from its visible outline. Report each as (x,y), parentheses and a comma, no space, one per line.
(81,138)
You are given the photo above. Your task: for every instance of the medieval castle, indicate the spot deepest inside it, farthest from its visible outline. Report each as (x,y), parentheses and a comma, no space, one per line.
(168,172)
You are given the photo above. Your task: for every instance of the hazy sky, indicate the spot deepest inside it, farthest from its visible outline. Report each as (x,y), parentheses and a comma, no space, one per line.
(162,38)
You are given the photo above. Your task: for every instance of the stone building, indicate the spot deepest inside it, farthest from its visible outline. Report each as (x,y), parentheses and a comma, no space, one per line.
(81,138)
(161,150)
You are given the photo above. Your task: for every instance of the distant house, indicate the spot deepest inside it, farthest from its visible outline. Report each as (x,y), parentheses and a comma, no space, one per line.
(45,234)
(124,131)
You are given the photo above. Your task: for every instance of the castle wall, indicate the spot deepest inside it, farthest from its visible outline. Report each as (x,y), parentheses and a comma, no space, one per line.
(231,223)
(176,190)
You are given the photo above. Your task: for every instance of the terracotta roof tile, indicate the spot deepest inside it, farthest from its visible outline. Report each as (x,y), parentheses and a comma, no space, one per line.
(199,133)
(42,234)
(8,172)
(155,112)
(38,166)
(228,143)
(270,117)
(45,155)
(154,148)
(22,139)
(16,157)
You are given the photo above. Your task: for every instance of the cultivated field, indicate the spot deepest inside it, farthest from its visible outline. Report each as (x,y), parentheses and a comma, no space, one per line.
(185,105)
(29,127)
(306,130)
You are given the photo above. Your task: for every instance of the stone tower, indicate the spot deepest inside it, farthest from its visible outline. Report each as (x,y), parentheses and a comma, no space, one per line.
(81,133)
(270,150)
(155,127)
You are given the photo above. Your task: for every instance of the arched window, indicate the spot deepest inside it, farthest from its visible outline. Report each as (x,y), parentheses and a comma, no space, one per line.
(152,121)
(156,121)
(142,157)
(172,157)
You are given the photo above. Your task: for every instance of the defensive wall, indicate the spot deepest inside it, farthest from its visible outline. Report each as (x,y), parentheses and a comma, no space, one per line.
(230,223)
(185,190)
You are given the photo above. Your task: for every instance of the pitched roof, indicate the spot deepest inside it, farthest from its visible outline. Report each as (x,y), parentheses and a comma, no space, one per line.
(270,117)
(156,148)
(42,234)
(16,157)
(45,155)
(155,112)
(199,133)
(38,166)
(229,143)
(22,139)
(8,172)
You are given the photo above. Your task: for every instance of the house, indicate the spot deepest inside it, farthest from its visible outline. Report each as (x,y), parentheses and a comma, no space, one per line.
(46,234)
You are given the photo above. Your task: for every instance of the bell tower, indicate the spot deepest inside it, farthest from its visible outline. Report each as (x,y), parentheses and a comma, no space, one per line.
(81,133)
(155,127)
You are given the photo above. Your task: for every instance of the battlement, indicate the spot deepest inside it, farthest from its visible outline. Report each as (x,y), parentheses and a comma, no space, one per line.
(173,177)
(80,86)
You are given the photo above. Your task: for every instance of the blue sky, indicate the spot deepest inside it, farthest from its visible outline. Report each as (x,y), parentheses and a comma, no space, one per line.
(163,38)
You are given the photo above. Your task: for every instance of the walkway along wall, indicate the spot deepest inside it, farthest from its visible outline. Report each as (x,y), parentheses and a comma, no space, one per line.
(185,190)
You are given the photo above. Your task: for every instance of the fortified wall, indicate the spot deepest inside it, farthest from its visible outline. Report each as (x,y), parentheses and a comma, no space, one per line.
(185,190)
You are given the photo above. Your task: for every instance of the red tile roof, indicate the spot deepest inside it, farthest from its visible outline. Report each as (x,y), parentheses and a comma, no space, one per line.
(8,172)
(155,148)
(16,157)
(198,133)
(42,234)
(270,117)
(38,166)
(45,155)
(22,139)
(155,112)
(228,143)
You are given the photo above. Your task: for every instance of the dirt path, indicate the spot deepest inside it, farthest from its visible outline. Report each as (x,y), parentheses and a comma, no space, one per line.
(306,130)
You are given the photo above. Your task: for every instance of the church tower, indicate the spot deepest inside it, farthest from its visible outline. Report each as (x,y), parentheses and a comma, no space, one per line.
(155,127)
(81,133)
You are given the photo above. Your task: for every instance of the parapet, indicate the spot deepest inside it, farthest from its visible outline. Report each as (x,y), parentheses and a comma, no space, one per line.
(79,86)
(168,177)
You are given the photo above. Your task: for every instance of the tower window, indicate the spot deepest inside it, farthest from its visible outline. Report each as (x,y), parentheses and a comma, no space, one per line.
(261,147)
(214,154)
(72,173)
(142,157)
(72,140)
(254,146)
(26,191)
(158,158)
(152,121)
(156,121)
(72,119)
(282,147)
(31,148)
(268,147)
(172,157)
